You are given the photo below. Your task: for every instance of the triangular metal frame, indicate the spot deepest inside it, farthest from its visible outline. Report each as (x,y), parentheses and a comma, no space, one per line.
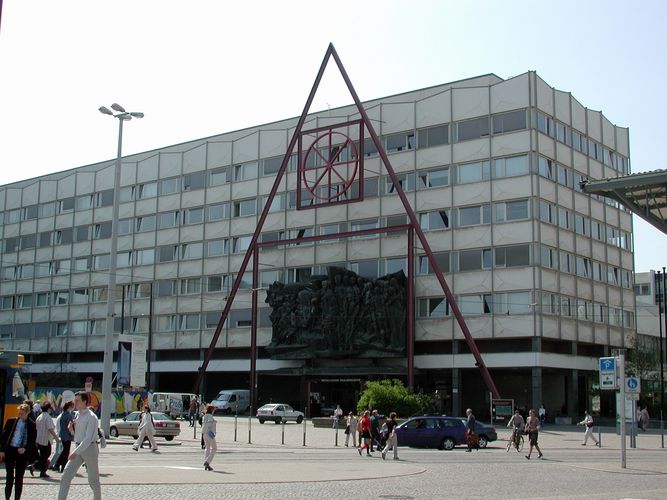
(253,249)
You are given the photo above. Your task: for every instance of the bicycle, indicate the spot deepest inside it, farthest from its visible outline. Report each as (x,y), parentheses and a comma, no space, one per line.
(515,440)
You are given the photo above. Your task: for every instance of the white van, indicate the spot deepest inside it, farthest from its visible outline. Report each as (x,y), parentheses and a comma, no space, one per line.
(232,401)
(174,404)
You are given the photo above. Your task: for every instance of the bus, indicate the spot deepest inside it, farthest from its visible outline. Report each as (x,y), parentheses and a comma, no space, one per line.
(13,390)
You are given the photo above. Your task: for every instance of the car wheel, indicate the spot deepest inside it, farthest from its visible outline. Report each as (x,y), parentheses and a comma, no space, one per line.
(278,419)
(483,441)
(261,420)
(448,444)
(299,419)
(169,438)
(113,432)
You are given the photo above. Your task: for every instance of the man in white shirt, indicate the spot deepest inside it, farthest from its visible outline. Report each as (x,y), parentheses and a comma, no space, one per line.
(588,423)
(45,431)
(85,439)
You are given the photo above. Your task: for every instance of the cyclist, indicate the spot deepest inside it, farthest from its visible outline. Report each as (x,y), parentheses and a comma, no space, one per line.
(518,424)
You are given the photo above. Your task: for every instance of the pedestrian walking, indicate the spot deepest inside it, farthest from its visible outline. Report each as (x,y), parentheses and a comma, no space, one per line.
(46,430)
(65,436)
(376,424)
(146,430)
(85,427)
(194,406)
(532,428)
(17,448)
(208,431)
(392,438)
(351,430)
(366,433)
(587,422)
(471,427)
(644,418)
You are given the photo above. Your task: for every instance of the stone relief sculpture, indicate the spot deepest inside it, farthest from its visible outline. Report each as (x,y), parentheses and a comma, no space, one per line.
(338,315)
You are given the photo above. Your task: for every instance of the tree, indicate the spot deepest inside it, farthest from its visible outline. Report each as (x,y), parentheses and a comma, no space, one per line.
(387,395)
(643,362)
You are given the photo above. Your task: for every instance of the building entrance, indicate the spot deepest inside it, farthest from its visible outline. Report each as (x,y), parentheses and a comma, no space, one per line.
(326,393)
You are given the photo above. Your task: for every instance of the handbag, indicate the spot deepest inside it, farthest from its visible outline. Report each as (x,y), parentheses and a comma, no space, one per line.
(347,430)
(211,434)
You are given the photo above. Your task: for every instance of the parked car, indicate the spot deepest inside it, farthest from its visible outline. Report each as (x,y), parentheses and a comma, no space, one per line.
(129,426)
(278,412)
(433,431)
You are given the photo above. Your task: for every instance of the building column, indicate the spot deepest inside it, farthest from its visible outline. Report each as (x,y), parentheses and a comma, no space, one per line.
(456,392)
(573,395)
(536,383)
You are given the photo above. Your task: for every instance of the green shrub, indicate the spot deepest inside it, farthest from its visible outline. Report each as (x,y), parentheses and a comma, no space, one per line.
(387,395)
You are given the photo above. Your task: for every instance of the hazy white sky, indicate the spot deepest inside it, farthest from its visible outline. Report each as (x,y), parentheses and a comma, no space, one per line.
(201,68)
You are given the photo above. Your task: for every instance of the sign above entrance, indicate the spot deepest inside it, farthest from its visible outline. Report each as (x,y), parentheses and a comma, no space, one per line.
(608,379)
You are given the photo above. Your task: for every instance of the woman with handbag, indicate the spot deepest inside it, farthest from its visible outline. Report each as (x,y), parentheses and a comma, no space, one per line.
(351,429)
(208,433)
(146,430)
(17,449)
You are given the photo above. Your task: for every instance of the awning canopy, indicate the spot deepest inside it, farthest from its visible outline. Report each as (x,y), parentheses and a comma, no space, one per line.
(645,194)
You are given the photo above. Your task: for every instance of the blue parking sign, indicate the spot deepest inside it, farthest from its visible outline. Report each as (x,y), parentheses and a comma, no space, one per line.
(608,364)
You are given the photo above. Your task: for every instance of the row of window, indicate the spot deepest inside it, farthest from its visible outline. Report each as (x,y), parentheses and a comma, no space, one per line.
(578,141)
(584,267)
(571,307)
(568,219)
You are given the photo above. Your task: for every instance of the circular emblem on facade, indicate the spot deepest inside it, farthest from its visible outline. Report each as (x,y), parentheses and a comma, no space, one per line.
(330,165)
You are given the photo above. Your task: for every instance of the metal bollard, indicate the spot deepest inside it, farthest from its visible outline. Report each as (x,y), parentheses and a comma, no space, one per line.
(304,429)
(336,427)
(194,428)
(600,436)
(283,426)
(236,419)
(250,426)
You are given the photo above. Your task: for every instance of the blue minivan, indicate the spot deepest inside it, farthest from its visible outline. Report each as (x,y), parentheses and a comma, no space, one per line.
(434,431)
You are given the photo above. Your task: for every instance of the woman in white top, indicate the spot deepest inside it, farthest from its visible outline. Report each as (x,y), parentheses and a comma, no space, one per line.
(146,430)
(208,432)
(351,429)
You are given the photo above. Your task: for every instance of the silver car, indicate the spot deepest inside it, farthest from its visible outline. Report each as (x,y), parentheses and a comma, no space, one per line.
(278,412)
(129,426)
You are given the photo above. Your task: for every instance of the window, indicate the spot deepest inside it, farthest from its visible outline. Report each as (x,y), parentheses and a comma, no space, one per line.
(45,239)
(267,278)
(211,319)
(546,168)
(512,256)
(124,226)
(59,329)
(512,303)
(30,212)
(510,167)
(219,211)
(146,223)
(597,230)
(126,194)
(245,172)
(167,253)
(564,218)
(562,133)
(399,142)
(24,301)
(82,233)
(28,241)
(169,186)
(82,264)
(441,258)
(192,251)
(12,244)
(148,190)
(584,269)
(216,248)
(216,283)
(437,307)
(190,286)
(474,172)
(361,225)
(564,175)
(27,271)
(271,166)
(474,305)
(84,202)
(145,256)
(475,215)
(581,224)
(549,257)
(511,210)
(406,181)
(475,260)
(434,178)
(395,264)
(194,181)
(64,237)
(104,198)
(613,275)
(369,147)
(101,262)
(80,296)
(432,221)
(545,124)
(433,136)
(42,299)
(277,204)
(598,272)
(65,205)
(566,262)
(7,302)
(124,259)
(99,294)
(241,243)
(509,122)
(299,274)
(245,207)
(194,215)
(47,209)
(140,290)
(168,219)
(218,176)
(43,269)
(332,229)
(472,129)
(9,273)
(102,231)
(60,298)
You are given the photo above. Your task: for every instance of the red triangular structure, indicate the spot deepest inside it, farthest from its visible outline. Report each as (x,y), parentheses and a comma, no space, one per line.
(413,227)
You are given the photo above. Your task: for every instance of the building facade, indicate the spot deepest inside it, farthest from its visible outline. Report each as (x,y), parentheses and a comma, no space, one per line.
(542,272)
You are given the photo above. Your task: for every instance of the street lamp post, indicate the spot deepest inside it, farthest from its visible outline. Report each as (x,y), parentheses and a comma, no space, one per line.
(107,373)
(662,374)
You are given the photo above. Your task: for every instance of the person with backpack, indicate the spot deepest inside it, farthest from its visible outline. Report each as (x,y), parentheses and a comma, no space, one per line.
(587,422)
(146,430)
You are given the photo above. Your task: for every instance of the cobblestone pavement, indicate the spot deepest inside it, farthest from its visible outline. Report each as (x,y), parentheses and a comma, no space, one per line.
(268,469)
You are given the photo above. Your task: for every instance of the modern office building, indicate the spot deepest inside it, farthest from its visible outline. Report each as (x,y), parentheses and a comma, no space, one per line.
(542,272)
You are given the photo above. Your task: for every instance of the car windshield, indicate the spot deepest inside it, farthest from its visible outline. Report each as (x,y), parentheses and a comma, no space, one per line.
(223,397)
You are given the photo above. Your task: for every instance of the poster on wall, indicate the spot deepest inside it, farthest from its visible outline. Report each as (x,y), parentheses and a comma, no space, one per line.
(132,360)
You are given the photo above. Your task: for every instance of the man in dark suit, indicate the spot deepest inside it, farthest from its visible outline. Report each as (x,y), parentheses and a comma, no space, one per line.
(17,449)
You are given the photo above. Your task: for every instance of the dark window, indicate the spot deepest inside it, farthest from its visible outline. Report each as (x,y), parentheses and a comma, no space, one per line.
(167,253)
(30,212)
(11,244)
(272,165)
(82,233)
(472,129)
(508,122)
(194,181)
(28,241)
(434,136)
(105,198)
(45,239)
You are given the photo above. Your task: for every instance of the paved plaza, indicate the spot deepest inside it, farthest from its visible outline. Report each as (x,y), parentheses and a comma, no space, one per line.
(268,469)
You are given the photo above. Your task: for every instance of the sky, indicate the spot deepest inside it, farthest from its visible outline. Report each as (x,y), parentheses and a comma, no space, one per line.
(202,68)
